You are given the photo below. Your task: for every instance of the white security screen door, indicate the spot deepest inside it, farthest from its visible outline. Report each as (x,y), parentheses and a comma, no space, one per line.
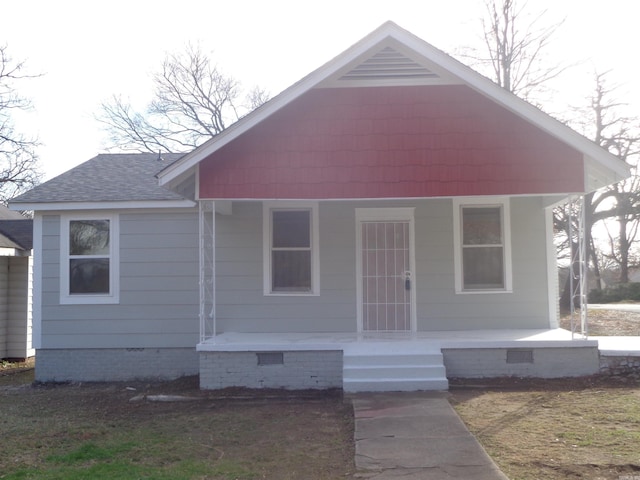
(386,278)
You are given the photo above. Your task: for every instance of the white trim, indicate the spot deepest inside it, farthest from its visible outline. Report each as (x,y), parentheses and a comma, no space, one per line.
(458,204)
(388,214)
(207,261)
(36,308)
(64,206)
(552,269)
(114,261)
(267,208)
(197,180)
(553,199)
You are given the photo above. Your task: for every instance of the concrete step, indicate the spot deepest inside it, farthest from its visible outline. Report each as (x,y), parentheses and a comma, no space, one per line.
(389,368)
(390,348)
(393,359)
(353,385)
(394,371)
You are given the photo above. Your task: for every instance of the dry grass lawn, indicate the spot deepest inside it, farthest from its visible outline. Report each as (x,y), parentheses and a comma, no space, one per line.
(560,429)
(585,428)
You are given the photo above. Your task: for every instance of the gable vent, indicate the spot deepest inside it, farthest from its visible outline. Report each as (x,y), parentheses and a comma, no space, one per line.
(389,64)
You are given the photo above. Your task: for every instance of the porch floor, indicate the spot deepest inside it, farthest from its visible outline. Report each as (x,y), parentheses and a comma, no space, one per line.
(239,342)
(618,346)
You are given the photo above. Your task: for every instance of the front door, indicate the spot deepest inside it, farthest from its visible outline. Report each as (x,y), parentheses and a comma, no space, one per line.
(386,278)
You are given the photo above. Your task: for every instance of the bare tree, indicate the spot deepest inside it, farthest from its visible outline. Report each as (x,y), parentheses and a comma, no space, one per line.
(620,135)
(19,169)
(193,101)
(515,46)
(617,205)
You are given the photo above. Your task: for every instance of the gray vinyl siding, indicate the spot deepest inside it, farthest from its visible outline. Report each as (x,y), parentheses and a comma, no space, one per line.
(159,294)
(440,308)
(19,308)
(4,300)
(15,307)
(242,306)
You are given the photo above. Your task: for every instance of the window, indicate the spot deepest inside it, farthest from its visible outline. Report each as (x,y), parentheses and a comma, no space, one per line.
(88,264)
(482,239)
(291,251)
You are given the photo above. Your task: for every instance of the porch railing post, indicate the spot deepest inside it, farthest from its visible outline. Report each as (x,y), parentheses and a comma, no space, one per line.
(207,257)
(578,282)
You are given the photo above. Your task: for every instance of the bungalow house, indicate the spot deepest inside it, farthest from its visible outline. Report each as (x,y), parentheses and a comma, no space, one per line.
(383,224)
(16,265)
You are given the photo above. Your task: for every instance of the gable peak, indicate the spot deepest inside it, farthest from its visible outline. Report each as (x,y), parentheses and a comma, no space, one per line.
(389,62)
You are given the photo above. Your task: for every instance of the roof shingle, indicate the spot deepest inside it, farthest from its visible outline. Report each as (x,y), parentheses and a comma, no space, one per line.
(108,177)
(16,233)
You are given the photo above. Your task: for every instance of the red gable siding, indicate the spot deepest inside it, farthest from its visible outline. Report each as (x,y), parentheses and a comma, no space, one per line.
(390,142)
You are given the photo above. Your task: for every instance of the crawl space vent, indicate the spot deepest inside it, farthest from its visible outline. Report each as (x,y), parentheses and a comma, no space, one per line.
(270,358)
(519,356)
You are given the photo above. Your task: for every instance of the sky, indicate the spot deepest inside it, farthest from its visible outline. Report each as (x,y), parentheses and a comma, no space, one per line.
(88,51)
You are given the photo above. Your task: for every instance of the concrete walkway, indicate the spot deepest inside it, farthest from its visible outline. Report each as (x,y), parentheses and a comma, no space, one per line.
(413,436)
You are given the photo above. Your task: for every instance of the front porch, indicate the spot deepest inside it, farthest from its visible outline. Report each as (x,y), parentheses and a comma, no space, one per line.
(387,266)
(390,361)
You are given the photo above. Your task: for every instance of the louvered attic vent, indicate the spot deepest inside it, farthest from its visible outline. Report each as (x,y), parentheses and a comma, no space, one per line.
(389,64)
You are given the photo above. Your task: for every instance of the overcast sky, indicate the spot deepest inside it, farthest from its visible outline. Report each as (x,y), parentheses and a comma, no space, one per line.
(88,51)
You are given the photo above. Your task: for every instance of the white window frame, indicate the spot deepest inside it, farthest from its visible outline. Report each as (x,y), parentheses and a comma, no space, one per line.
(504,204)
(267,208)
(67,298)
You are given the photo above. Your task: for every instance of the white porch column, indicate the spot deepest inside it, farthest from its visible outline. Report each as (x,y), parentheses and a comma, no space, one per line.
(578,283)
(207,230)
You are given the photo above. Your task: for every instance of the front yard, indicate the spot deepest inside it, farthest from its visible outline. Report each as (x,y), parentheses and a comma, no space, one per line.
(585,428)
(97,432)
(556,429)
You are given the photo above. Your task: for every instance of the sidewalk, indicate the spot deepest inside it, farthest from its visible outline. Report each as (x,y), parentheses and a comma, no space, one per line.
(413,436)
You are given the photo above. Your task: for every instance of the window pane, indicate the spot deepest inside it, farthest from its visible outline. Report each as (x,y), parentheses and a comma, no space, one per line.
(291,229)
(483,267)
(291,270)
(481,226)
(89,237)
(89,276)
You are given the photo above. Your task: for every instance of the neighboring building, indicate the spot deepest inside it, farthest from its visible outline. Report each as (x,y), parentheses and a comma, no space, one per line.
(385,219)
(16,266)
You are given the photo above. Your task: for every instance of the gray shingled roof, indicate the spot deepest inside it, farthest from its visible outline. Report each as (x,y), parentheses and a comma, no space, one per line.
(108,177)
(17,233)
(6,214)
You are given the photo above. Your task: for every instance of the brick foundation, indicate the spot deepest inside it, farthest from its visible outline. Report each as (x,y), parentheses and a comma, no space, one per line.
(299,370)
(545,362)
(115,364)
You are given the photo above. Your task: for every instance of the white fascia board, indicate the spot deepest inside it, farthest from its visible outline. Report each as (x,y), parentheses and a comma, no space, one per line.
(64,206)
